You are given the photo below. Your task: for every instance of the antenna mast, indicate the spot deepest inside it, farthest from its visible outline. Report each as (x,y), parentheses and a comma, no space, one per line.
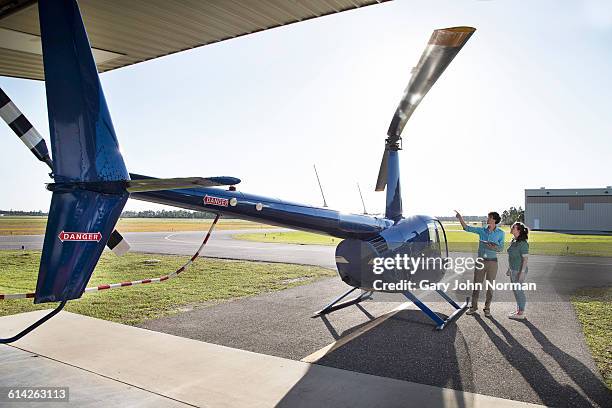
(321,188)
(362,202)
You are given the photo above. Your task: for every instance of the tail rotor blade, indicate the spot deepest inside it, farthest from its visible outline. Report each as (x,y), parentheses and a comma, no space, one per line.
(118,244)
(381,182)
(443,46)
(24,130)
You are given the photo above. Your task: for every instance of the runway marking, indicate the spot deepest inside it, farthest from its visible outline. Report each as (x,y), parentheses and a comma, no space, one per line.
(167,238)
(240,244)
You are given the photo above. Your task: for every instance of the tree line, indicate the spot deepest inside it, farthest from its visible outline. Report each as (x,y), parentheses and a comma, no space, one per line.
(508,217)
(512,215)
(25,213)
(128,214)
(167,214)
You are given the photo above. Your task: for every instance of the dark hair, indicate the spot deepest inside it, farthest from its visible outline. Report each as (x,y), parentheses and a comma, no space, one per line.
(495,216)
(523,231)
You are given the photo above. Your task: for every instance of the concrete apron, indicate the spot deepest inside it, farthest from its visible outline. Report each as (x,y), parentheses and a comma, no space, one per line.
(202,374)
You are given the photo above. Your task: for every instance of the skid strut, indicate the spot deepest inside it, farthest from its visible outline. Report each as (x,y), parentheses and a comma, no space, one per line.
(440,323)
(334,305)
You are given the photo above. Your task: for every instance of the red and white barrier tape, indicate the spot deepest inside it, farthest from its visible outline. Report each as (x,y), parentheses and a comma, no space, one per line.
(132,283)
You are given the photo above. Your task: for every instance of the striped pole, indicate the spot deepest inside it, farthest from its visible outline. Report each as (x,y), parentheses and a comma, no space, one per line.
(24,129)
(138,282)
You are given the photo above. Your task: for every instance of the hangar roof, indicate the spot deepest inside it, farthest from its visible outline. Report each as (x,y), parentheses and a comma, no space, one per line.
(565,192)
(123,32)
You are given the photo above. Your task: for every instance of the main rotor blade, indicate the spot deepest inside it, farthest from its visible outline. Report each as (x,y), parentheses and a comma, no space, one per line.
(24,130)
(381,182)
(443,46)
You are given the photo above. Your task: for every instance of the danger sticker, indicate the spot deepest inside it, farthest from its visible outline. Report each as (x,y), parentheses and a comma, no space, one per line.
(222,202)
(80,236)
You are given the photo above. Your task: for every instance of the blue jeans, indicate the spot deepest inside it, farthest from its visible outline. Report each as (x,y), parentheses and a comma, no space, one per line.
(519,294)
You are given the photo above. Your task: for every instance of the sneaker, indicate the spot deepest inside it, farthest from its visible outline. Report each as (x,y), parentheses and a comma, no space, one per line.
(511,315)
(517,316)
(487,313)
(471,311)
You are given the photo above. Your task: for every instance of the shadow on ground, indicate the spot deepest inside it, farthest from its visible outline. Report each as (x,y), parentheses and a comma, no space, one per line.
(503,358)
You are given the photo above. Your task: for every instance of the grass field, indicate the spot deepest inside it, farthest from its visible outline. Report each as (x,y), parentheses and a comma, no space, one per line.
(540,243)
(36,225)
(207,280)
(594,310)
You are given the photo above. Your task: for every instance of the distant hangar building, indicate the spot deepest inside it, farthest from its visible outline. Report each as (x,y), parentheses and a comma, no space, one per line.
(585,210)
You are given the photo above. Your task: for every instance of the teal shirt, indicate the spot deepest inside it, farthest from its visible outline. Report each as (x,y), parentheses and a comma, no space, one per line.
(516,251)
(496,236)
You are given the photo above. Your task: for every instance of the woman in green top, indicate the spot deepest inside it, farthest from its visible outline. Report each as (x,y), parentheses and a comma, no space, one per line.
(517,259)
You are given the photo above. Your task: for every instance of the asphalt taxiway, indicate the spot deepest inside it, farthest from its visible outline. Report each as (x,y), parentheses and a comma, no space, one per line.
(221,245)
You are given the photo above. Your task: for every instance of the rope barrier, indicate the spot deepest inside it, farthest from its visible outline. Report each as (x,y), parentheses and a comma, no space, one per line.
(132,283)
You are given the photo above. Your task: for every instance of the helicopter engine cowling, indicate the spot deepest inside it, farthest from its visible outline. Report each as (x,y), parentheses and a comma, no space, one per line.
(393,255)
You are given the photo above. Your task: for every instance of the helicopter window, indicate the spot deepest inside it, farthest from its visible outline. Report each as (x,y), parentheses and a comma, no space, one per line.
(433,236)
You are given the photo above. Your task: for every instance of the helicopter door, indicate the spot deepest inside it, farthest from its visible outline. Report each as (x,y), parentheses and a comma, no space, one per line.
(442,239)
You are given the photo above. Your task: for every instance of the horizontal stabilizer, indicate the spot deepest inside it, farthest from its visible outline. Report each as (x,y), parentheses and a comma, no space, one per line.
(155,184)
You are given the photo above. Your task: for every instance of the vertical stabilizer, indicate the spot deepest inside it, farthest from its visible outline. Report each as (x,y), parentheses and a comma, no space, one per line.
(84,149)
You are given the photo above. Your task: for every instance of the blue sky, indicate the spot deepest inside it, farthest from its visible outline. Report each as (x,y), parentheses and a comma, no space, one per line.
(525,104)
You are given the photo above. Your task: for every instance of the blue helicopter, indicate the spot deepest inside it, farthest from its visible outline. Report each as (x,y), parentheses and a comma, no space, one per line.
(91,183)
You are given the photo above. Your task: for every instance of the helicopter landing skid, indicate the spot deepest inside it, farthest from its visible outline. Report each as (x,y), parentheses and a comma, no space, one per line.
(440,323)
(334,305)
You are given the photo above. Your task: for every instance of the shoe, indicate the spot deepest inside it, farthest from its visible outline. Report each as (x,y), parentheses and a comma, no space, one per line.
(511,315)
(471,311)
(487,313)
(517,316)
